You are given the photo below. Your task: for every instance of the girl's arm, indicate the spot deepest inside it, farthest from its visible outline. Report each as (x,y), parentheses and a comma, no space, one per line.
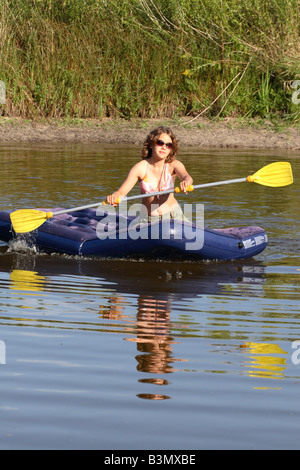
(127,185)
(183,175)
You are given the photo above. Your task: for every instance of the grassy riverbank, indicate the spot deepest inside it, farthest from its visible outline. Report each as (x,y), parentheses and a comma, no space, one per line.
(149,58)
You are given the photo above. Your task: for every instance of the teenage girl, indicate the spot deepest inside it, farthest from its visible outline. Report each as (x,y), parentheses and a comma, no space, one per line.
(157,172)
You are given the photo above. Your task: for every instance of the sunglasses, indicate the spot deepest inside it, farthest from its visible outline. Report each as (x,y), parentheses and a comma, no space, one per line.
(161,143)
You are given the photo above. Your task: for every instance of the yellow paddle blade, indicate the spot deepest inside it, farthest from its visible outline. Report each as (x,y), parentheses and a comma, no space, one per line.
(275,175)
(26,220)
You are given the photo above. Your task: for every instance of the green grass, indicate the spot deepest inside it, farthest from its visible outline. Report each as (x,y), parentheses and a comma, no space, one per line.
(149,58)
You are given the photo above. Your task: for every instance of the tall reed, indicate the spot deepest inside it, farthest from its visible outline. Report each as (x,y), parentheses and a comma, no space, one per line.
(149,58)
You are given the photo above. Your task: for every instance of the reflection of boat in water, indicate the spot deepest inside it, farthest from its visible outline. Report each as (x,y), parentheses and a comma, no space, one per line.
(155,284)
(162,279)
(87,234)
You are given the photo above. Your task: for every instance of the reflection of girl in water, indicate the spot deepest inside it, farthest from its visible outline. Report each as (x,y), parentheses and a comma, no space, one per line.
(152,332)
(115,308)
(153,336)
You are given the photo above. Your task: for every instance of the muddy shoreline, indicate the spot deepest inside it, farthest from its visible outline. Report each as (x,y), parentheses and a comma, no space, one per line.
(199,133)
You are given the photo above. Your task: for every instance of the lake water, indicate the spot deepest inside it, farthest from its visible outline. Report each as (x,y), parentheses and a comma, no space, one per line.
(138,354)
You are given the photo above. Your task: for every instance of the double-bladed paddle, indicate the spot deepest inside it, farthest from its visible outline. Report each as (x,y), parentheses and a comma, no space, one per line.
(275,175)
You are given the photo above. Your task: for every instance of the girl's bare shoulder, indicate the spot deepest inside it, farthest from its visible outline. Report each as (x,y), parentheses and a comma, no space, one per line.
(176,165)
(139,168)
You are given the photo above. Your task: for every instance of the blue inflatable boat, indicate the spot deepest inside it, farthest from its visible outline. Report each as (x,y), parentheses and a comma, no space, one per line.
(86,234)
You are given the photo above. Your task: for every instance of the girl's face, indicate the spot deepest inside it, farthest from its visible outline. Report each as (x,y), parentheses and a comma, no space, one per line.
(162,147)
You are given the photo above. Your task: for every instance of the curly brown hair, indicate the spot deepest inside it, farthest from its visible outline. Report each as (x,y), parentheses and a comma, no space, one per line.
(153,137)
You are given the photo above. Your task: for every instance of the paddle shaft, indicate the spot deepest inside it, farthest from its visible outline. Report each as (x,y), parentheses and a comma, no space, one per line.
(217,183)
(79,208)
(157,193)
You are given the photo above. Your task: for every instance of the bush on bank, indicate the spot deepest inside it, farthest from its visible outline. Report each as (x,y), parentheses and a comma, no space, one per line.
(149,58)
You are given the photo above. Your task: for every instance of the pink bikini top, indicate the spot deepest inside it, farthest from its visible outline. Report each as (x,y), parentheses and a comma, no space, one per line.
(165,181)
